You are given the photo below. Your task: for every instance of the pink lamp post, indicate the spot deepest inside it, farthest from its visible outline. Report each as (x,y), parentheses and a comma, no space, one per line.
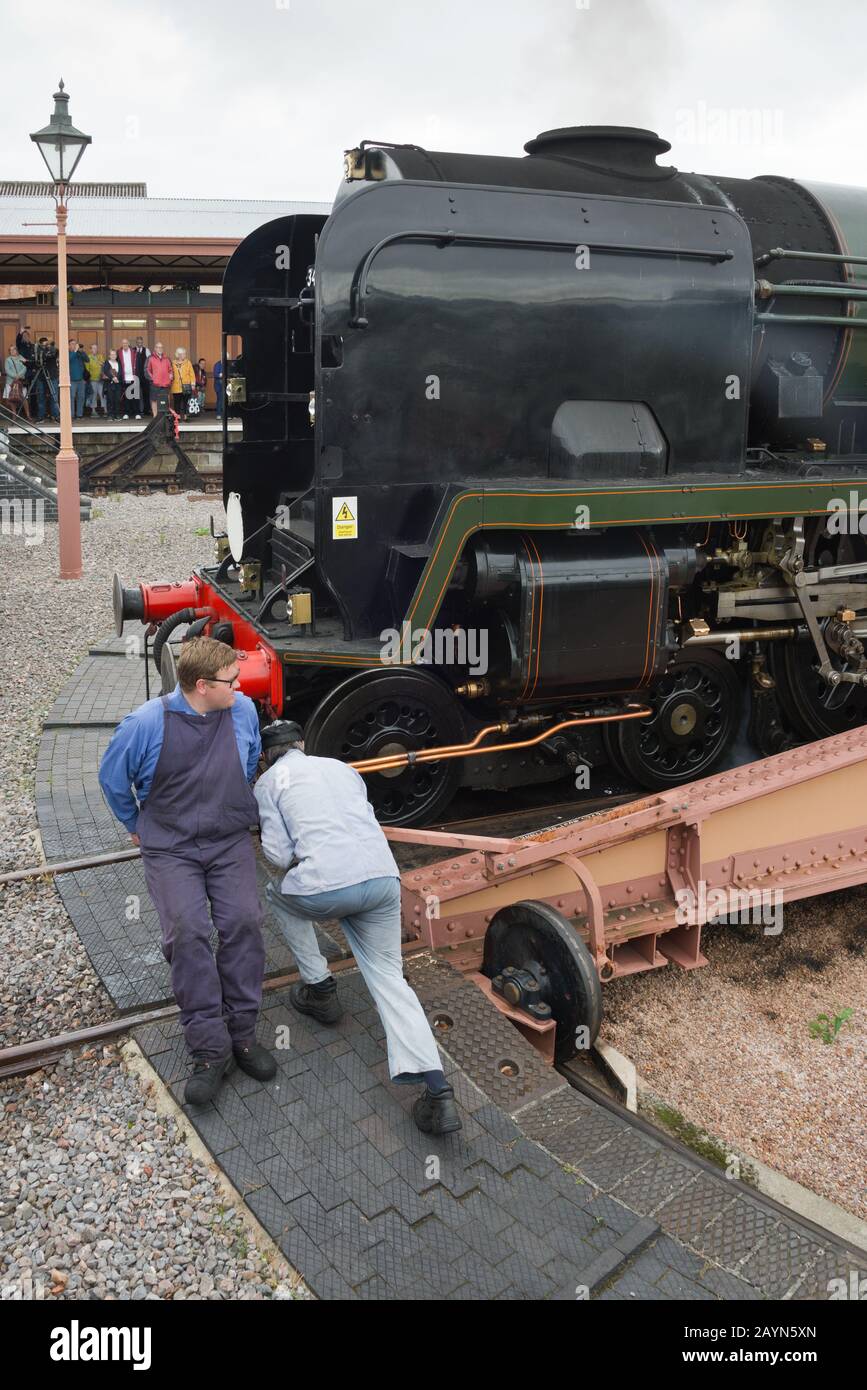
(62,146)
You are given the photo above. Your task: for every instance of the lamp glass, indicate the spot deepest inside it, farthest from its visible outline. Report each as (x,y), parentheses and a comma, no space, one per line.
(61,154)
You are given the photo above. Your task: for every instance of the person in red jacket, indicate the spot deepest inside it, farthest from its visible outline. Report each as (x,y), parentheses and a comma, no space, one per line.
(159,373)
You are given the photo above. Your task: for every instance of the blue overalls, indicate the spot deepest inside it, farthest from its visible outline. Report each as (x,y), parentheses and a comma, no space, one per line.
(194,829)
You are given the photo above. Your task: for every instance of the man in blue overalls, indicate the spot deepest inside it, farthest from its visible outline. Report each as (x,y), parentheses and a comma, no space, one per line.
(189,757)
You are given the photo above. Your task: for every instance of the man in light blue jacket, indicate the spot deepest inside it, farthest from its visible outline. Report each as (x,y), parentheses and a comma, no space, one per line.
(318,826)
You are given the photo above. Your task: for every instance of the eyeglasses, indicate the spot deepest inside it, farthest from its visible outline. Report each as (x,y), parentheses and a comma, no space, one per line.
(223,680)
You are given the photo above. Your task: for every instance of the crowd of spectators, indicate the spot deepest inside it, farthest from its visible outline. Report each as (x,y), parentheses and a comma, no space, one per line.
(130,382)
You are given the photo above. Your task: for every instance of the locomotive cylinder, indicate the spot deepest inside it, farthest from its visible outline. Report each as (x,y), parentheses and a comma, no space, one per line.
(588,605)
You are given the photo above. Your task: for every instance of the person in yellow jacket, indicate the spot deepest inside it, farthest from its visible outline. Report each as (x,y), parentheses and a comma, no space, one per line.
(95,397)
(183,382)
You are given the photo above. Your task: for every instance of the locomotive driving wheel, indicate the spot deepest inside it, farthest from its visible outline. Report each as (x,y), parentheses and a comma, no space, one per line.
(379,713)
(537,961)
(814,708)
(696,709)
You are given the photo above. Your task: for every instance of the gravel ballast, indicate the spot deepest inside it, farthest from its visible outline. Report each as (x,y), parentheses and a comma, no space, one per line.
(728,1046)
(100,1197)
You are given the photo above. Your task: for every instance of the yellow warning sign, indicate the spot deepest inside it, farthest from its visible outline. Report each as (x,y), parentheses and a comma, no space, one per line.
(344,513)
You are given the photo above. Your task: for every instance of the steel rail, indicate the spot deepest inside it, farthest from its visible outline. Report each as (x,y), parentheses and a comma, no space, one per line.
(32,1056)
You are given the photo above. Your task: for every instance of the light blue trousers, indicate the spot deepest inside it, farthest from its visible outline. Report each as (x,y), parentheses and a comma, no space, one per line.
(369,914)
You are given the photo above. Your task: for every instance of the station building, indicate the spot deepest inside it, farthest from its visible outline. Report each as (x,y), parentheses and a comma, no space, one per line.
(137,265)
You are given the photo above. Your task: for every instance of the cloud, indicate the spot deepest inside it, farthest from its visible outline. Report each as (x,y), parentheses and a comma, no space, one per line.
(261,99)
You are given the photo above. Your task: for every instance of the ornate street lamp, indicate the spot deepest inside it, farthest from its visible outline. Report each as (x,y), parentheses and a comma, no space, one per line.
(62,146)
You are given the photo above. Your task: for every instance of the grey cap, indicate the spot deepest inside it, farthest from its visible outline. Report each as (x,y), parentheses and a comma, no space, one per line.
(281,731)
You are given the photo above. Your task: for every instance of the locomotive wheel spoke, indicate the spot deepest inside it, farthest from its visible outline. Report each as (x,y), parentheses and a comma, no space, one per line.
(696,712)
(381,713)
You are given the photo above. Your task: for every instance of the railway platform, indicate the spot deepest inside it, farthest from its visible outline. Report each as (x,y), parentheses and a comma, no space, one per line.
(547,1193)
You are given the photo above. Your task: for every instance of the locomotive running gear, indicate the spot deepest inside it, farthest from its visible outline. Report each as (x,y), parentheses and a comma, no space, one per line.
(315,811)
(206,1080)
(320,1001)
(132,756)
(369,915)
(437,1113)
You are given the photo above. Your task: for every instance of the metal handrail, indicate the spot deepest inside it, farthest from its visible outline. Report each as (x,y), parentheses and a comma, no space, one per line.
(766,289)
(358,290)
(824,320)
(783,253)
(21,422)
(27,454)
(15,456)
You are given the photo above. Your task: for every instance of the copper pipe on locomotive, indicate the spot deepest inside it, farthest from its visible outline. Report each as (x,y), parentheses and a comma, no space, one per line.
(463,750)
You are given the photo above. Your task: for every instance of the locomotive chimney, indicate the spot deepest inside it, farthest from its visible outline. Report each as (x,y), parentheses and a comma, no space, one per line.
(611,149)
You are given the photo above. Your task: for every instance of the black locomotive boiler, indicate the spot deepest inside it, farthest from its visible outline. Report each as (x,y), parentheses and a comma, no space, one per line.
(547,461)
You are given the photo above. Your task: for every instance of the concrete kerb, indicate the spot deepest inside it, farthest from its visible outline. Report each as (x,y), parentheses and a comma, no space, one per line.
(620,1072)
(150,1081)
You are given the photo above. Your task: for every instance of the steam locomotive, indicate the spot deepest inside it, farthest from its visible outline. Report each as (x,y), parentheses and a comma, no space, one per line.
(544,463)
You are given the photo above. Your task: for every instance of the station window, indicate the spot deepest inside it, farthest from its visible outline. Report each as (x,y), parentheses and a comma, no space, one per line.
(129,323)
(171,323)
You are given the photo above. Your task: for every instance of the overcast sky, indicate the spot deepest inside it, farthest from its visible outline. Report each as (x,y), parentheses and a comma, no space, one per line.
(259,99)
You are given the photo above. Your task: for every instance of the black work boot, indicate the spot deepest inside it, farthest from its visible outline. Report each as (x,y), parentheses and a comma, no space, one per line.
(206,1079)
(320,1001)
(255,1060)
(436,1113)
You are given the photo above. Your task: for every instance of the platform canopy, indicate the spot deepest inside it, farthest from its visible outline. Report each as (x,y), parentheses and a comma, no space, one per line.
(120,236)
